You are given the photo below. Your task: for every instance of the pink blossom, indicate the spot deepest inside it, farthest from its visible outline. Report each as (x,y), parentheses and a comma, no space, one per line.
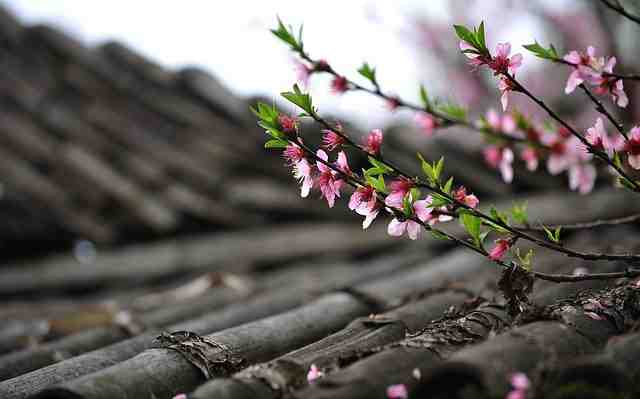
(398,189)
(398,391)
(342,164)
(332,140)
(632,147)
(503,124)
(520,381)
(393,103)
(288,123)
(501,248)
(586,68)
(611,85)
(505,86)
(427,123)
(582,177)
(461,195)
(516,394)
(530,156)
(373,141)
(501,63)
(328,181)
(303,72)
(314,373)
(363,200)
(500,158)
(475,59)
(302,170)
(180,396)
(422,210)
(339,85)
(293,153)
(597,136)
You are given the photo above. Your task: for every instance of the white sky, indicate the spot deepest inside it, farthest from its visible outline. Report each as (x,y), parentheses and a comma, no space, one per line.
(231,39)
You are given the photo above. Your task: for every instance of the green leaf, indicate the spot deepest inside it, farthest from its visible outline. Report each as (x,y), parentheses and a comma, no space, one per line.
(426,168)
(438,235)
(276,143)
(499,216)
(541,52)
(377,183)
(437,170)
(447,186)
(424,98)
(472,225)
(407,205)
(302,100)
(553,236)
(480,36)
(286,35)
(453,111)
(438,200)
(525,261)
(368,72)
(466,35)
(384,169)
(519,213)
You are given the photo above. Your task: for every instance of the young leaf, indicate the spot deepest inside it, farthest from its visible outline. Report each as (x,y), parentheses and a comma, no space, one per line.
(519,213)
(553,236)
(525,261)
(447,186)
(424,98)
(437,170)
(453,111)
(285,34)
(466,35)
(368,72)
(541,52)
(276,143)
(427,168)
(472,224)
(302,100)
(438,235)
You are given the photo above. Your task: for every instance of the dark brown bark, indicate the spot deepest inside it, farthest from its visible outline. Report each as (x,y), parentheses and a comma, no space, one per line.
(299,288)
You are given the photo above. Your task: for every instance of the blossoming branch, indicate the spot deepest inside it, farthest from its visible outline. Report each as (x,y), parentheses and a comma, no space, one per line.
(402,197)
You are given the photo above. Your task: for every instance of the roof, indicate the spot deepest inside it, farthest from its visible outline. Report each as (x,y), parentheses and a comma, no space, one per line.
(197,269)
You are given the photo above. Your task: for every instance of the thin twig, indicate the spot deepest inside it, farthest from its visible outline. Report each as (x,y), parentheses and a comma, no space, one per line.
(514,231)
(587,225)
(598,154)
(354,181)
(600,108)
(620,10)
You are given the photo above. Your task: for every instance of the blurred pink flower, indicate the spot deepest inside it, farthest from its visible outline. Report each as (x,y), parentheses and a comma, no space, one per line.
(500,158)
(426,122)
(632,147)
(314,373)
(339,85)
(398,391)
